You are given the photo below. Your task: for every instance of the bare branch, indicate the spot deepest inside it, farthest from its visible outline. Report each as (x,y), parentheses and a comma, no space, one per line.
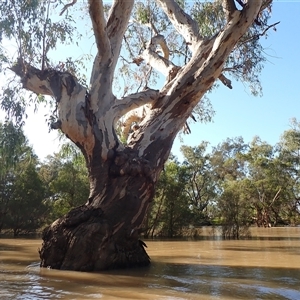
(182,22)
(225,81)
(160,40)
(257,36)
(134,101)
(162,64)
(275,197)
(97,16)
(229,8)
(48,82)
(33,79)
(152,26)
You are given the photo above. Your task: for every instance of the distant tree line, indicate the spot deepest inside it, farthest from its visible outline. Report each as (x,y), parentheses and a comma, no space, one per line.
(235,185)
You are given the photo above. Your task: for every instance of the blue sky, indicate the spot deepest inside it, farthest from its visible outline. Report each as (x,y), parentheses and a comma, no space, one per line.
(240,114)
(237,112)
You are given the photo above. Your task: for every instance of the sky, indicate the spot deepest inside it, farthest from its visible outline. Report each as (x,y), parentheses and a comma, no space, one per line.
(240,114)
(237,112)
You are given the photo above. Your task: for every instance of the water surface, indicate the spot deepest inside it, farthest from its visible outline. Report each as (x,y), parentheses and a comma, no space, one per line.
(265,267)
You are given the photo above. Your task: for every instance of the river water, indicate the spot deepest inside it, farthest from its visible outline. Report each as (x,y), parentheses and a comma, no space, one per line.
(264,267)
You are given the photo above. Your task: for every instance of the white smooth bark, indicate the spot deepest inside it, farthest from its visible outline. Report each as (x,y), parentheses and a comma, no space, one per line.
(99,23)
(133,101)
(182,22)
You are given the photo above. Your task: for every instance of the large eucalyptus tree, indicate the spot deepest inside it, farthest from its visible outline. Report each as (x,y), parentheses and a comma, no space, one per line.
(191,47)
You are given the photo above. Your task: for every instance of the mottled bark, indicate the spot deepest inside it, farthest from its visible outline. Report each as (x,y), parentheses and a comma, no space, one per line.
(104,232)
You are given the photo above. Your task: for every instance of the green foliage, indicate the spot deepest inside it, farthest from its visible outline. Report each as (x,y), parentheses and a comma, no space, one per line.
(225,159)
(12,141)
(289,159)
(234,209)
(170,211)
(200,187)
(26,210)
(29,31)
(21,190)
(32,194)
(32,27)
(65,175)
(255,186)
(237,185)
(210,16)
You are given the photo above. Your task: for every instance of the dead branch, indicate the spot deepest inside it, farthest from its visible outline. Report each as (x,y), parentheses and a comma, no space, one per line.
(225,81)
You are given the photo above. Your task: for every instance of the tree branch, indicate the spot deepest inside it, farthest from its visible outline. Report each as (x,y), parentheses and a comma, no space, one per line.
(160,40)
(70,96)
(134,109)
(225,81)
(109,38)
(117,24)
(158,62)
(97,16)
(181,95)
(161,64)
(257,36)
(134,101)
(67,6)
(229,8)
(35,80)
(182,22)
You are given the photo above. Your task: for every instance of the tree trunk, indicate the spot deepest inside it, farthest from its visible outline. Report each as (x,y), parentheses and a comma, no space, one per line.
(103,233)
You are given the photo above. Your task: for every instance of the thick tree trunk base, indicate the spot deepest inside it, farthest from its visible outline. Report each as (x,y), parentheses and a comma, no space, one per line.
(83,240)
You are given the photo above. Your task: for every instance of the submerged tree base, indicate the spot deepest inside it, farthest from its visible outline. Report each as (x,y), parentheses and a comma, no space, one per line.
(82,241)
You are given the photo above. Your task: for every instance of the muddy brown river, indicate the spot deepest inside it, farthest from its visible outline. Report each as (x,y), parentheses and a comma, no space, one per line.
(264,267)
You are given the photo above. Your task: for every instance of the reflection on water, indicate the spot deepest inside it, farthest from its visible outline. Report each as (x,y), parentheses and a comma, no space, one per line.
(266,267)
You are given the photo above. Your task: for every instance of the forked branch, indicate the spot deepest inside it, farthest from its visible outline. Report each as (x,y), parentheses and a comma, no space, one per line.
(158,62)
